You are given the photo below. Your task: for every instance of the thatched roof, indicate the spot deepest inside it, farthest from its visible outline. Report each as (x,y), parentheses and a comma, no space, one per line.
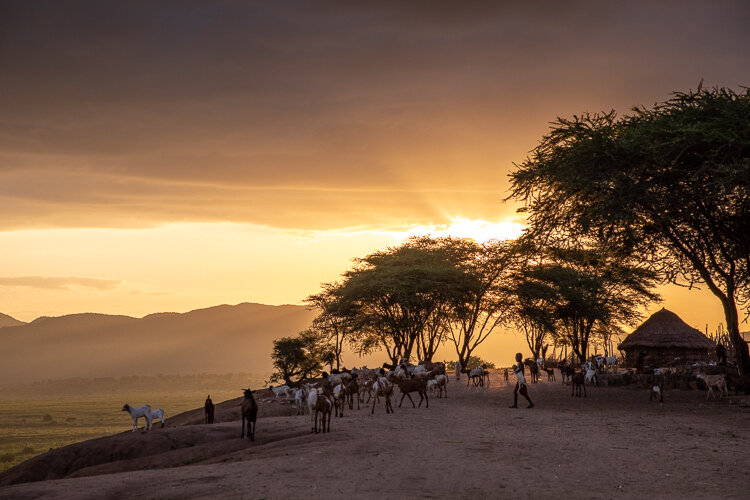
(664,329)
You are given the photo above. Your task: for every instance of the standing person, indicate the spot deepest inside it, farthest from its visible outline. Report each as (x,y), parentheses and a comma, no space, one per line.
(721,354)
(209,407)
(520,384)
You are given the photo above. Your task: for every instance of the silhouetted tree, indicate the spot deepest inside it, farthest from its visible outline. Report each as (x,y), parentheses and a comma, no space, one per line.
(570,292)
(391,298)
(331,330)
(296,358)
(670,185)
(484,305)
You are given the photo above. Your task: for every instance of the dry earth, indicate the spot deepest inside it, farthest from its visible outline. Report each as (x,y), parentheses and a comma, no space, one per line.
(612,444)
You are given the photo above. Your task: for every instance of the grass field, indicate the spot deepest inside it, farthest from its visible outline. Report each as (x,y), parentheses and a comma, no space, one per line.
(37,417)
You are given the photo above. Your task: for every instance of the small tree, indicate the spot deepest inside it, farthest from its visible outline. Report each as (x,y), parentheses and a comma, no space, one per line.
(296,358)
(331,330)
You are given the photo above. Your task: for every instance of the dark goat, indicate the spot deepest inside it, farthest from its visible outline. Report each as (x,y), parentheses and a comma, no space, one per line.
(578,378)
(249,412)
(416,384)
(550,374)
(209,407)
(436,368)
(352,388)
(475,375)
(533,370)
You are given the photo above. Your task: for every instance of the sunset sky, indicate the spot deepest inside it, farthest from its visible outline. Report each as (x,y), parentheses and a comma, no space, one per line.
(163,156)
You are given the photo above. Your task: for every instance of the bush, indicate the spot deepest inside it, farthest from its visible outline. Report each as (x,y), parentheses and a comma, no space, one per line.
(474,361)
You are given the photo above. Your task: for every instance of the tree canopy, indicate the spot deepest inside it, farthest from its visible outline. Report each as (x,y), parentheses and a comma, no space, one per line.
(391,298)
(296,358)
(669,184)
(571,293)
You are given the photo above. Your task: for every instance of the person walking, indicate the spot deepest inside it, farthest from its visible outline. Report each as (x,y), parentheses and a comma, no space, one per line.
(520,383)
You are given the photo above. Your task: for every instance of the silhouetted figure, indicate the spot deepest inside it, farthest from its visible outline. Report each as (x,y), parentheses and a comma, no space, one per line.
(721,354)
(209,406)
(521,383)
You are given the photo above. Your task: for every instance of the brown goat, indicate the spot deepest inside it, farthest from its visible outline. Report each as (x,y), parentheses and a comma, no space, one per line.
(209,407)
(324,406)
(352,388)
(249,412)
(416,384)
(436,368)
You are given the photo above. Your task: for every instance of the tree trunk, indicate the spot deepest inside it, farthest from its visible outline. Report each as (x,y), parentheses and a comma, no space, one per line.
(742,358)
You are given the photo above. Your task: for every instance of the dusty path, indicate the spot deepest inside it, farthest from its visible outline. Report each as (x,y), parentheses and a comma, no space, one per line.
(612,444)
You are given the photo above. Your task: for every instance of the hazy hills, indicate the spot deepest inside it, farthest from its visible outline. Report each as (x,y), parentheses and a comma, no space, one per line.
(6,320)
(218,339)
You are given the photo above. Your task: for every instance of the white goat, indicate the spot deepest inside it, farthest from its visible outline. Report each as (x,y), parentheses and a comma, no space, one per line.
(339,399)
(337,378)
(611,363)
(591,376)
(717,381)
(383,387)
(476,375)
(442,385)
(417,370)
(157,413)
(282,390)
(432,386)
(138,412)
(300,394)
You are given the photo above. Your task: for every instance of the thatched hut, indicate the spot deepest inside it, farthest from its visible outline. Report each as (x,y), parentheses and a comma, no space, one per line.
(664,337)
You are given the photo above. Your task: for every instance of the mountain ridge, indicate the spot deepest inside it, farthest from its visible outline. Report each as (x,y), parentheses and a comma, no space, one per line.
(219,339)
(6,320)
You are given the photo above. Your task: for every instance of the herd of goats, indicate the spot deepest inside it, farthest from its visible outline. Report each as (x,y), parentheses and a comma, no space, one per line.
(328,395)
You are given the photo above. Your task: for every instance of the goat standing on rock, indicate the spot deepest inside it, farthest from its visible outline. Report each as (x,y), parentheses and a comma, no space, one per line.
(138,412)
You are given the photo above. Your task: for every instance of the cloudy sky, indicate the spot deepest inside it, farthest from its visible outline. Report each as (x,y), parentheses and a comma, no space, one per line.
(174,155)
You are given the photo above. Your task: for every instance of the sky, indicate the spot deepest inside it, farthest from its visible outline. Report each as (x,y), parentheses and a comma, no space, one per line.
(166,156)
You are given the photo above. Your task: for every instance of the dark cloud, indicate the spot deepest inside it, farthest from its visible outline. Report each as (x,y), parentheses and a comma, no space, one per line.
(53,283)
(123,112)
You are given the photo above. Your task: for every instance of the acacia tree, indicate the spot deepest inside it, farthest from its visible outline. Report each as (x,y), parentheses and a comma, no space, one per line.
(485,304)
(670,184)
(331,330)
(434,333)
(530,311)
(296,358)
(390,298)
(571,292)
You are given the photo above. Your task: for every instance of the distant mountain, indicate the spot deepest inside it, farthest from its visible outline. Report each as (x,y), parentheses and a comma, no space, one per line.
(6,320)
(218,339)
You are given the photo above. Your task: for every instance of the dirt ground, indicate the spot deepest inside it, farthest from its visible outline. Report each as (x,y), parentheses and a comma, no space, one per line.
(612,444)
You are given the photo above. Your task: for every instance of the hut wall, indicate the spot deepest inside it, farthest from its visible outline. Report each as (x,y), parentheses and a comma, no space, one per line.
(662,356)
